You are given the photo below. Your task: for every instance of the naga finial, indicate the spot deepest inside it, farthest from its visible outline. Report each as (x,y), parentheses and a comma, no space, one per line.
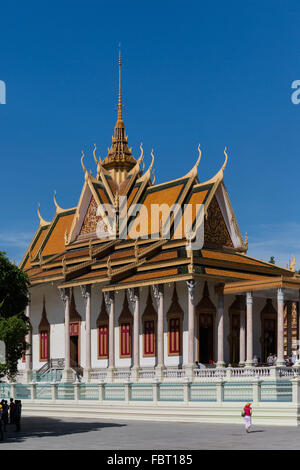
(95,158)
(58,208)
(199,157)
(82,164)
(154,177)
(226,159)
(42,221)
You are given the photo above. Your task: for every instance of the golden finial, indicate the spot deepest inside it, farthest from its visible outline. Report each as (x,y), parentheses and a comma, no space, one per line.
(95,158)
(292,263)
(120,95)
(83,166)
(42,221)
(154,177)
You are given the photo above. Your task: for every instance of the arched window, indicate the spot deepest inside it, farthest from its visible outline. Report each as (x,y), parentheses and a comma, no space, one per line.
(44,336)
(175,318)
(125,329)
(102,327)
(149,320)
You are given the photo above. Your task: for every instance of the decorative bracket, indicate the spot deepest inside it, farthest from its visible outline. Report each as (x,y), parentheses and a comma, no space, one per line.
(191,289)
(158,292)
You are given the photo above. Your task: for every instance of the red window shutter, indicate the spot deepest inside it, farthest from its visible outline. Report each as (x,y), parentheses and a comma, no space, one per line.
(44,338)
(125,340)
(149,337)
(103,341)
(174,336)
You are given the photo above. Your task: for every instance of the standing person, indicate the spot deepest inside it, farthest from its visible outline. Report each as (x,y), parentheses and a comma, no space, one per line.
(270,360)
(1,424)
(246,413)
(18,413)
(4,413)
(12,409)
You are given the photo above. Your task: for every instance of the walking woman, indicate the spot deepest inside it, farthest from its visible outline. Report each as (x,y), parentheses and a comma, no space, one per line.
(246,413)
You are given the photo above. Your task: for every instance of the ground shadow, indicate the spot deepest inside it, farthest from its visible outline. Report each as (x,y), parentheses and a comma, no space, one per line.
(52,427)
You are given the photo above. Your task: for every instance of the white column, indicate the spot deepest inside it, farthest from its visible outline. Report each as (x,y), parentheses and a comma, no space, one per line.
(109,298)
(242,332)
(191,322)
(249,303)
(280,310)
(86,293)
(67,372)
(158,291)
(220,326)
(28,352)
(135,300)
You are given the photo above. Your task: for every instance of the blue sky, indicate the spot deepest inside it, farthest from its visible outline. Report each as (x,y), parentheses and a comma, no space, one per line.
(218,73)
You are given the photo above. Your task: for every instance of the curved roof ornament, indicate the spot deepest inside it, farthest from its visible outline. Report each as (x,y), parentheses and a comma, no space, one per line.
(95,158)
(199,157)
(151,164)
(226,159)
(219,176)
(154,177)
(87,175)
(58,208)
(43,222)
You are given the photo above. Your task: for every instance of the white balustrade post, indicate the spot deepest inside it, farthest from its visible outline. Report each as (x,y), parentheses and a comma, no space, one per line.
(158,291)
(242,332)
(134,297)
(220,391)
(256,390)
(220,327)
(280,311)
(249,303)
(186,389)
(101,391)
(32,391)
(297,363)
(76,391)
(67,375)
(13,390)
(296,390)
(155,390)
(109,298)
(86,294)
(127,390)
(53,391)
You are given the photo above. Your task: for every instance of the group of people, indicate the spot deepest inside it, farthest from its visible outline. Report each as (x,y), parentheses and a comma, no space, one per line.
(10,414)
(289,361)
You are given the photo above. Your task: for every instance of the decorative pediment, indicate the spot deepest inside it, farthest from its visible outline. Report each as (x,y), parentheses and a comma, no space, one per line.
(126,315)
(269,310)
(103,317)
(44,324)
(175,307)
(216,234)
(205,305)
(149,311)
(91,219)
(74,315)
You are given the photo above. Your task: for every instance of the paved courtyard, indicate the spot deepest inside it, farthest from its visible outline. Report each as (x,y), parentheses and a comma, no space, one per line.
(71,433)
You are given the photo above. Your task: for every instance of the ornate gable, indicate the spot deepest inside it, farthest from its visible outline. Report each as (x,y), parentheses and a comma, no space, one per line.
(216,234)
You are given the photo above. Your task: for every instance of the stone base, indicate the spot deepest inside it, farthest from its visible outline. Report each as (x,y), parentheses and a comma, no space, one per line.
(67,376)
(249,364)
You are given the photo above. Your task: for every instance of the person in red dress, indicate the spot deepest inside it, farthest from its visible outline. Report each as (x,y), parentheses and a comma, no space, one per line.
(247,412)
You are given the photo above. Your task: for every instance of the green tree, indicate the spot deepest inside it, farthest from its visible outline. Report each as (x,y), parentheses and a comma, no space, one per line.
(14,325)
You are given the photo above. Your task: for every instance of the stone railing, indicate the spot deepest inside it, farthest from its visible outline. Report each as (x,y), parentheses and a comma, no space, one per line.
(218,391)
(174,373)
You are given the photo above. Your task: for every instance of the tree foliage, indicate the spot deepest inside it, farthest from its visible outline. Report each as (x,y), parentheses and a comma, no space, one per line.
(14,325)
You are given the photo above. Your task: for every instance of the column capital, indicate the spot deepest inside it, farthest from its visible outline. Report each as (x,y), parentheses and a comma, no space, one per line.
(86,291)
(158,292)
(221,301)
(280,295)
(134,295)
(191,289)
(65,294)
(109,298)
(249,298)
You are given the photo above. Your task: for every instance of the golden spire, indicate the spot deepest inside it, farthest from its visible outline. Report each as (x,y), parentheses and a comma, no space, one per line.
(120,117)
(119,159)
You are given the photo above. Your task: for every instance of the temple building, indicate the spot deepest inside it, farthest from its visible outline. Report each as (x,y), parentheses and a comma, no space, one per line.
(116,297)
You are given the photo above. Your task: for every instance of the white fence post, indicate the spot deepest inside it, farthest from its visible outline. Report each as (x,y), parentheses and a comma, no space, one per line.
(296,390)
(13,390)
(127,391)
(33,391)
(220,391)
(155,390)
(53,391)
(76,391)
(186,387)
(256,390)
(101,391)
